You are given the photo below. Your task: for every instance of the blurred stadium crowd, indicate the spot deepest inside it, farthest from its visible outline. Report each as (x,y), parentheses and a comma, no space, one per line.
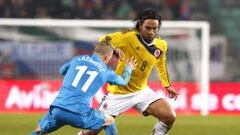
(93,9)
(223,15)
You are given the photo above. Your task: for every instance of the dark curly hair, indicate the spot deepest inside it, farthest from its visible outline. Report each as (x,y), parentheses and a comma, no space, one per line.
(148,13)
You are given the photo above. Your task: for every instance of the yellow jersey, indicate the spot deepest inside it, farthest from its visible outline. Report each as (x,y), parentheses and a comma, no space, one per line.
(148,56)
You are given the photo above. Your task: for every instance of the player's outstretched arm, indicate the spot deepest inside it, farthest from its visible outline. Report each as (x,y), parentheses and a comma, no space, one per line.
(125,77)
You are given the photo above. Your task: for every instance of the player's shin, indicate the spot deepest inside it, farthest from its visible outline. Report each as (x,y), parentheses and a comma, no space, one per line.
(160,129)
(111,129)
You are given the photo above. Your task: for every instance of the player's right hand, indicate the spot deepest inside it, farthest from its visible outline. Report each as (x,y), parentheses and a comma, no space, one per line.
(172,92)
(132,62)
(119,54)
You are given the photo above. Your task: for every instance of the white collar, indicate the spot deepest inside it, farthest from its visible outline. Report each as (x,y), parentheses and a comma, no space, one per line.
(148,44)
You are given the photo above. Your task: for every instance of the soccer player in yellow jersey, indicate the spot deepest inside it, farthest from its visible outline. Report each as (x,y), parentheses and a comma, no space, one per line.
(144,44)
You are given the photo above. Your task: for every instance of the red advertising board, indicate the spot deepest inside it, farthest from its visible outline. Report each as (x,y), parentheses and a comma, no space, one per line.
(37,95)
(27,95)
(225,98)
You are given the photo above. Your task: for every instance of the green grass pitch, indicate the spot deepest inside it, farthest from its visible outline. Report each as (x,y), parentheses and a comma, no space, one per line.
(23,124)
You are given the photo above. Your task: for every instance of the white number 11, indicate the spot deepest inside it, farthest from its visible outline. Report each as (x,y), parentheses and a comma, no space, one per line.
(81,71)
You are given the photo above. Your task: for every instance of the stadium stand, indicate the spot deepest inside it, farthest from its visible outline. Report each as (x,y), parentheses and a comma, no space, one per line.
(226,14)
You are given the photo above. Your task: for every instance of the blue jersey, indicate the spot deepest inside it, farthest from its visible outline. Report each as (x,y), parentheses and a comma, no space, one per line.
(83,76)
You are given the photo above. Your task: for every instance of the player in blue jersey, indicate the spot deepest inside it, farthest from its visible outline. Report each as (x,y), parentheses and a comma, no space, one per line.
(83,76)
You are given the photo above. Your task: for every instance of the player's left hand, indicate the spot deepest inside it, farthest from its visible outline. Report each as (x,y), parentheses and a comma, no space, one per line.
(132,62)
(172,93)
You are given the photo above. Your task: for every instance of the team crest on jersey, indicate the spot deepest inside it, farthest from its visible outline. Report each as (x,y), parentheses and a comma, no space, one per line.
(157,53)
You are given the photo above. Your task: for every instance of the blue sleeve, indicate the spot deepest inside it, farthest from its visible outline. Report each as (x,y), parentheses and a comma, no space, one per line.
(121,80)
(63,70)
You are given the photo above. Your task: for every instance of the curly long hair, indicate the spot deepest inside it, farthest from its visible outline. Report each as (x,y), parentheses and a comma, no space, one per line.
(148,13)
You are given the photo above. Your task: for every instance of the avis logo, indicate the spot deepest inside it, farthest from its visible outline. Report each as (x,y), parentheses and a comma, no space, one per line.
(38,98)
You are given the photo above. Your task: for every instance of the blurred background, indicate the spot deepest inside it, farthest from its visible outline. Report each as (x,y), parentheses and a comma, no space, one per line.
(30,56)
(223,16)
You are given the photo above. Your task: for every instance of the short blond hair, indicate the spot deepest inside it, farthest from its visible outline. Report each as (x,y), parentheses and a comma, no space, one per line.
(103,48)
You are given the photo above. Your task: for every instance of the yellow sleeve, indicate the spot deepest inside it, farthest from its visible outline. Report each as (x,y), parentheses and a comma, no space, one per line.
(117,39)
(162,66)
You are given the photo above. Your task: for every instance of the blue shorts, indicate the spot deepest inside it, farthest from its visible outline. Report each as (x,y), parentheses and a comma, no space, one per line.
(58,117)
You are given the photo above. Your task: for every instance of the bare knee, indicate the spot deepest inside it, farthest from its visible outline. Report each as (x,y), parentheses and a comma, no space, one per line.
(169,118)
(109,120)
(163,111)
